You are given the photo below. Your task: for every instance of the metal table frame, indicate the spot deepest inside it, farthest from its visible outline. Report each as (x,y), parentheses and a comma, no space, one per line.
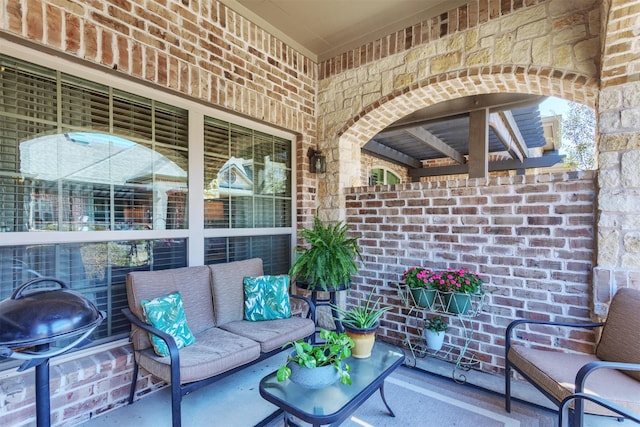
(349,397)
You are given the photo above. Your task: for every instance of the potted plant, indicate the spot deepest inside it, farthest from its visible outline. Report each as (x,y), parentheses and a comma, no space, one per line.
(318,365)
(434,332)
(360,323)
(328,260)
(458,287)
(422,283)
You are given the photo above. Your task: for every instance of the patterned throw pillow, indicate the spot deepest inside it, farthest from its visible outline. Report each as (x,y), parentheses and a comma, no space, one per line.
(167,314)
(266,298)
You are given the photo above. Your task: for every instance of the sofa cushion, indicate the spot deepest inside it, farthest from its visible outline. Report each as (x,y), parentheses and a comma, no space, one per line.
(621,333)
(193,283)
(215,351)
(167,314)
(228,289)
(556,372)
(272,334)
(266,298)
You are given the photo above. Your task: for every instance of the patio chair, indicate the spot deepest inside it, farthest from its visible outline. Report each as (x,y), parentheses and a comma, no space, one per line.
(617,409)
(612,373)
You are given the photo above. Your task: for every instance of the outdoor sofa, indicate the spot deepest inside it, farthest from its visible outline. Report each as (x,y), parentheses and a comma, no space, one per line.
(213,300)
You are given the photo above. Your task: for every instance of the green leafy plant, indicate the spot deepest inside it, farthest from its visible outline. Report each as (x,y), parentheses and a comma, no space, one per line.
(336,347)
(329,259)
(363,316)
(437,324)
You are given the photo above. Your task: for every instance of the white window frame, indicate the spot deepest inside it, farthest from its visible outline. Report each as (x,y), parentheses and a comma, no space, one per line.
(195,233)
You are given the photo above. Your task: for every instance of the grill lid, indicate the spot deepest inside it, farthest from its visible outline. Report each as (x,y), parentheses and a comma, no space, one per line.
(43,316)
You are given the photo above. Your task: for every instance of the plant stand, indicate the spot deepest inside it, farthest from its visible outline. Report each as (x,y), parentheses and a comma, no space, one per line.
(459,355)
(319,299)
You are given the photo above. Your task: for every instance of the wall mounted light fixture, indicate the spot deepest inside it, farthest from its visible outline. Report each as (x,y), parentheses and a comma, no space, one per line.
(317,162)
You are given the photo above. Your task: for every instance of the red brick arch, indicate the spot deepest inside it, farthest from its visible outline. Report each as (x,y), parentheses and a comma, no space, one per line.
(473,81)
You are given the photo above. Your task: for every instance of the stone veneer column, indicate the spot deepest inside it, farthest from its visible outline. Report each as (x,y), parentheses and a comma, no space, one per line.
(618,238)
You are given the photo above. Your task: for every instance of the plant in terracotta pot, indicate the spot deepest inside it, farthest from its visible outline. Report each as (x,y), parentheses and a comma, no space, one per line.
(360,323)
(434,332)
(422,283)
(325,360)
(327,262)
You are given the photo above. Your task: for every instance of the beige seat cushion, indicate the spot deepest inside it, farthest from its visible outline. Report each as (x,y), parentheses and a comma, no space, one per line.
(556,373)
(193,283)
(228,288)
(272,334)
(215,351)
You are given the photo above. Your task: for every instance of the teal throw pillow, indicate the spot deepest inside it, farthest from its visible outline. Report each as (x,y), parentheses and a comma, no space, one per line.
(266,298)
(167,314)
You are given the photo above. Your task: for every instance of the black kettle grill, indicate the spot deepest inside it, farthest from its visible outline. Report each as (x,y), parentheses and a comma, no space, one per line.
(31,320)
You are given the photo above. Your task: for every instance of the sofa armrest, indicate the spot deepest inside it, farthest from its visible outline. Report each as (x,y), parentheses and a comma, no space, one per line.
(514,324)
(174,354)
(311,314)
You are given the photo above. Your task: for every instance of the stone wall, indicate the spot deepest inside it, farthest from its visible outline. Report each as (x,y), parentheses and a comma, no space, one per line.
(542,47)
(618,237)
(529,237)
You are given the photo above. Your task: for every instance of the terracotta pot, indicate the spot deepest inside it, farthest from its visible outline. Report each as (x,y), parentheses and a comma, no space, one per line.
(364,339)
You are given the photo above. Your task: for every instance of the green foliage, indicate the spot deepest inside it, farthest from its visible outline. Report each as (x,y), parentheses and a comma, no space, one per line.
(335,348)
(329,260)
(578,136)
(437,324)
(363,315)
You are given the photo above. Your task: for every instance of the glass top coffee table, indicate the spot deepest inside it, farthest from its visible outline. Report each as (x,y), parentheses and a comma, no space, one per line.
(334,404)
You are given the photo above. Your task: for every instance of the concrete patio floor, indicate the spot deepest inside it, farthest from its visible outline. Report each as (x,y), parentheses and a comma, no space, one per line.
(238,399)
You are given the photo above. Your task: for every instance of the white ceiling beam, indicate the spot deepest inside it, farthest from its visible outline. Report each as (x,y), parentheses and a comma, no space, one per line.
(436,143)
(506,129)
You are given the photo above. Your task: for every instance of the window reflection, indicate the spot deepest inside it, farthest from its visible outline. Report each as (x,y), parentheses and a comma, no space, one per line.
(80,181)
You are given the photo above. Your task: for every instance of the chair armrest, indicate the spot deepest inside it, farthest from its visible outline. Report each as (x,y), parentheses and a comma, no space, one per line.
(168,339)
(564,407)
(516,323)
(591,367)
(312,307)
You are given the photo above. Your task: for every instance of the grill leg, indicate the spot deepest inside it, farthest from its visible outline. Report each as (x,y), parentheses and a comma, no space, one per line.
(43,404)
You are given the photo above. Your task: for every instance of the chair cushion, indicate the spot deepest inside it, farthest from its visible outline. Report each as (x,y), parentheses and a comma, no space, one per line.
(621,334)
(228,290)
(167,314)
(272,334)
(266,298)
(215,351)
(556,372)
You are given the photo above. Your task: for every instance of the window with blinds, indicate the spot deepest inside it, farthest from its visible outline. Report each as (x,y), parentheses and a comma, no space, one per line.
(97,270)
(78,156)
(247,177)
(274,251)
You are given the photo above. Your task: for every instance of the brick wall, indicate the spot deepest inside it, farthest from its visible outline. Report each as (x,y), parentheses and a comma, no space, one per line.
(529,237)
(80,388)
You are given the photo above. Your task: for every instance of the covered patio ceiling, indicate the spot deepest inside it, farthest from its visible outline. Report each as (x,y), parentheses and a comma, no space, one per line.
(513,127)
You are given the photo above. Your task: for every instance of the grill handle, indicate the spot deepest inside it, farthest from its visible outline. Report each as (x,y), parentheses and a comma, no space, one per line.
(17,294)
